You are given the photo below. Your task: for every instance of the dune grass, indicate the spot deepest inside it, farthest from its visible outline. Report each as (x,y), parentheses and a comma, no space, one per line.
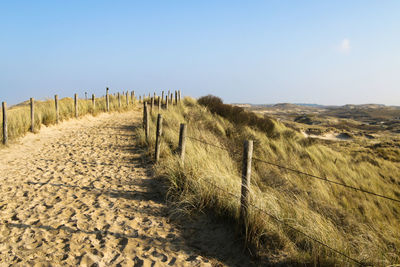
(19,116)
(364,227)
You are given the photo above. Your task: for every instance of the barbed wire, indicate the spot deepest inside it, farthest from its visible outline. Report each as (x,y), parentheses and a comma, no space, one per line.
(286,224)
(328,180)
(299,172)
(304,173)
(201,141)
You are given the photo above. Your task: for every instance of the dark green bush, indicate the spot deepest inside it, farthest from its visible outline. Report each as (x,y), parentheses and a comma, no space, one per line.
(236,114)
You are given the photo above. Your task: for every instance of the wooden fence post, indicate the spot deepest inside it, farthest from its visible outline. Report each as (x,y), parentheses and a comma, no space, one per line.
(86,96)
(176,97)
(93,102)
(151,105)
(144,114)
(133,97)
(172,99)
(107,100)
(246,174)
(5,132)
(140,99)
(159,103)
(119,100)
(166,102)
(127,99)
(162,96)
(32,115)
(158,138)
(146,121)
(179,95)
(76,105)
(182,142)
(57,109)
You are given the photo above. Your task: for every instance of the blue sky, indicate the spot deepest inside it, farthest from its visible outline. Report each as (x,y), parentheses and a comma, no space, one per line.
(334,52)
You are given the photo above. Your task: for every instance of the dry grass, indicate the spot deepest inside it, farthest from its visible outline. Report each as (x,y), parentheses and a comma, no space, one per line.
(19,118)
(362,226)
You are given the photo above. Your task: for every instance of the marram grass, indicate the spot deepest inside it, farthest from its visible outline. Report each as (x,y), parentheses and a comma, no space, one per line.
(19,116)
(364,227)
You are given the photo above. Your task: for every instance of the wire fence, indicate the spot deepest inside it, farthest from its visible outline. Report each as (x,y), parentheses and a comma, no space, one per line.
(324,179)
(280,221)
(286,224)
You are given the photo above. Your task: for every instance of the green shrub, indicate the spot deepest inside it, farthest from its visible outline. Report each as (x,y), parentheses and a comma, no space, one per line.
(237,114)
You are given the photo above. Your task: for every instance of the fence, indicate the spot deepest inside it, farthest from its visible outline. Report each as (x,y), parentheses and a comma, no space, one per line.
(76,112)
(244,198)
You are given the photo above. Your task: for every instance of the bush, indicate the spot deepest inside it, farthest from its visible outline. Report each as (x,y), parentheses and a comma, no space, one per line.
(236,114)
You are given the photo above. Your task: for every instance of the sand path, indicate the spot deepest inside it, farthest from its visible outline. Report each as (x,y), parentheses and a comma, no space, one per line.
(81,193)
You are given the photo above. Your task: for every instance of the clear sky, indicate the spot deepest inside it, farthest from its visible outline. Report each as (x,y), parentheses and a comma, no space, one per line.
(325,52)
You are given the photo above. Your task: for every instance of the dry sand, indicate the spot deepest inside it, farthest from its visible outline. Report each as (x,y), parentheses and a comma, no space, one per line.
(82,193)
(328,136)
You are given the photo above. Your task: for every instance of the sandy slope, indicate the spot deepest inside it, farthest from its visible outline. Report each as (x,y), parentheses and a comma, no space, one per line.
(81,193)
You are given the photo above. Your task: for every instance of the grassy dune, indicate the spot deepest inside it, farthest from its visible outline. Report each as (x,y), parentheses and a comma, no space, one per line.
(19,118)
(365,227)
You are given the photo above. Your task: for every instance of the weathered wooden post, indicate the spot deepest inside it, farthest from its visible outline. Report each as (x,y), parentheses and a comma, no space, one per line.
(154,95)
(159,103)
(179,95)
(172,99)
(93,102)
(140,99)
(246,174)
(146,118)
(57,109)
(151,105)
(182,142)
(166,102)
(107,100)
(176,97)
(119,100)
(32,101)
(162,96)
(5,132)
(86,96)
(144,114)
(127,99)
(76,105)
(158,138)
(133,97)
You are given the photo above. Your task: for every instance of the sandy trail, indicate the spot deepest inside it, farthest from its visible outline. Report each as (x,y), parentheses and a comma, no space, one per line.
(81,193)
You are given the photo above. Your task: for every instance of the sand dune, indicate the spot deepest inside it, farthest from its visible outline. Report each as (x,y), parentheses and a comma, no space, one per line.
(81,193)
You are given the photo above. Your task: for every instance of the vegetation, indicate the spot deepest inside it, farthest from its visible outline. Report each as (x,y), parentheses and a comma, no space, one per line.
(236,114)
(364,227)
(19,116)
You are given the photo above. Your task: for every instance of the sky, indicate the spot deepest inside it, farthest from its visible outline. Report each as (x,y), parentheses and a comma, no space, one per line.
(323,52)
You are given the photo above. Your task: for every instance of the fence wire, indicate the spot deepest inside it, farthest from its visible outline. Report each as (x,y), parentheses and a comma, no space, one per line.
(287,225)
(201,141)
(304,173)
(328,180)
